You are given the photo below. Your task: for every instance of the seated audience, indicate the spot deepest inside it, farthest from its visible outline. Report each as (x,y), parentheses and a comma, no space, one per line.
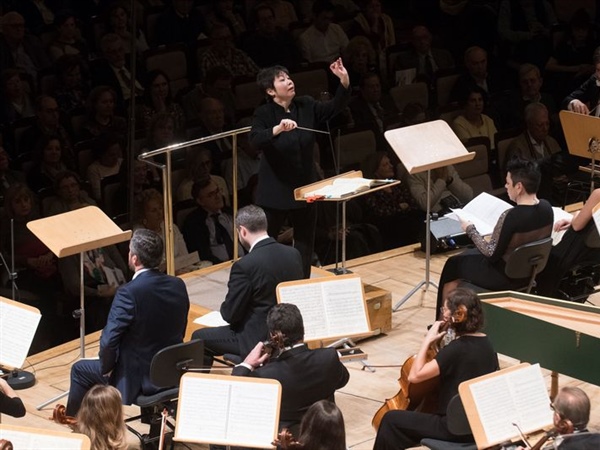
(285,13)
(216,84)
(585,99)
(374,24)
(392,210)
(68,39)
(72,84)
(222,52)
(250,289)
(181,22)
(323,41)
(39,14)
(360,60)
(530,220)
(209,228)
(248,163)
(477,74)
(8,176)
(472,122)
(10,403)
(49,162)
(224,11)
(158,99)
(68,195)
(17,102)
(199,166)
(108,158)
(371,107)
(119,23)
(101,114)
(101,418)
(468,356)
(306,376)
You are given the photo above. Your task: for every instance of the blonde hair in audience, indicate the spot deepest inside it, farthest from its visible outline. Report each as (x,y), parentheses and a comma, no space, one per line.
(101,418)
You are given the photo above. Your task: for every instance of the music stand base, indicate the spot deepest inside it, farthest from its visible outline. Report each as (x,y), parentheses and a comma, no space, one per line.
(413,292)
(52,400)
(339,271)
(348,344)
(20,379)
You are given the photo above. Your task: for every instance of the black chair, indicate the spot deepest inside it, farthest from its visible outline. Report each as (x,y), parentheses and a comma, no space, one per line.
(166,369)
(458,424)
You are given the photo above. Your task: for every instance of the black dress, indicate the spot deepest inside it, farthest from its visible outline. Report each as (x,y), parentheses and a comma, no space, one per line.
(484,265)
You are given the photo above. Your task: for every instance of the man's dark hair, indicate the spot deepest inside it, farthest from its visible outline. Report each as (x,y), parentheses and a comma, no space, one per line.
(266,77)
(39,101)
(260,7)
(525,172)
(199,185)
(464,302)
(148,246)
(286,317)
(473,89)
(252,217)
(367,76)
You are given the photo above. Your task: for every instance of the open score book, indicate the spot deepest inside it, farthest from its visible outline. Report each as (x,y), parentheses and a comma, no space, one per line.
(346,186)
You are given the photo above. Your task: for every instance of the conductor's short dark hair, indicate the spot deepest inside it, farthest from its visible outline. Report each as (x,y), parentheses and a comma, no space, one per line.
(266,77)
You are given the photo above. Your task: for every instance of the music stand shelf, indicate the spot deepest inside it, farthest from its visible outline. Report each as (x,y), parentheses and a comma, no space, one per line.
(421,148)
(299,195)
(75,232)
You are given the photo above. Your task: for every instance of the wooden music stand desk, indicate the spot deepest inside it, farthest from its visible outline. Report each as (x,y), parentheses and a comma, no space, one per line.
(75,232)
(423,147)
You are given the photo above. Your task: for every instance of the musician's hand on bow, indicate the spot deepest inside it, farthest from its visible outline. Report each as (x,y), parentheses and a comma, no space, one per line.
(284,125)
(579,107)
(338,69)
(562,224)
(257,357)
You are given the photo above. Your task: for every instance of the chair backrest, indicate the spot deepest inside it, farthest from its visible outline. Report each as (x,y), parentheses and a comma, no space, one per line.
(476,172)
(502,140)
(444,85)
(408,93)
(173,61)
(458,423)
(355,146)
(527,260)
(311,80)
(246,92)
(171,362)
(109,186)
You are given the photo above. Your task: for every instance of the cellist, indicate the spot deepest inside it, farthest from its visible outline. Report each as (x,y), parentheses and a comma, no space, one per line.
(468,356)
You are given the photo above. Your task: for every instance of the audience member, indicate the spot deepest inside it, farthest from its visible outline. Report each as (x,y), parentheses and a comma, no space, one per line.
(101,114)
(72,83)
(39,14)
(530,220)
(222,52)
(323,41)
(179,23)
(471,122)
(142,180)
(288,159)
(10,403)
(8,176)
(223,12)
(535,144)
(69,195)
(306,376)
(425,59)
(119,23)
(392,210)
(158,99)
(19,50)
(49,162)
(360,59)
(266,34)
(524,28)
(101,418)
(108,158)
(148,314)
(68,39)
(477,74)
(285,13)
(248,164)
(111,70)
(469,356)
(212,119)
(199,166)
(374,24)
(149,214)
(47,124)
(585,99)
(16,100)
(371,107)
(209,228)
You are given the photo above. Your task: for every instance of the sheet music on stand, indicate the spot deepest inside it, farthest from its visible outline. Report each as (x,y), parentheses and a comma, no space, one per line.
(34,438)
(18,324)
(226,410)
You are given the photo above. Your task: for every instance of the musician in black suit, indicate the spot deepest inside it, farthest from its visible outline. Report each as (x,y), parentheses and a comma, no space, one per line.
(306,376)
(587,96)
(148,314)
(251,288)
(288,152)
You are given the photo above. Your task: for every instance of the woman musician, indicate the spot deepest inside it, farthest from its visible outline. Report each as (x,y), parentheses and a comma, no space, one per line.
(468,356)
(10,403)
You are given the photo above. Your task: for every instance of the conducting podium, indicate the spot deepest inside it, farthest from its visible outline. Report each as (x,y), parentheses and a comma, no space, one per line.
(341,188)
(76,232)
(421,148)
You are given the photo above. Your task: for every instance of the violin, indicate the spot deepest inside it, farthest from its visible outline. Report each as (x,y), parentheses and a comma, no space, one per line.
(59,415)
(275,343)
(5,445)
(564,426)
(286,441)
(423,396)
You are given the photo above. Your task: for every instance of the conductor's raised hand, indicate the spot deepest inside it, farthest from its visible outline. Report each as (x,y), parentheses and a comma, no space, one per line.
(284,125)
(338,69)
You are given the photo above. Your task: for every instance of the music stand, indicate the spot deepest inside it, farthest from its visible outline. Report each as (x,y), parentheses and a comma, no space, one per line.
(301,191)
(423,147)
(75,232)
(582,133)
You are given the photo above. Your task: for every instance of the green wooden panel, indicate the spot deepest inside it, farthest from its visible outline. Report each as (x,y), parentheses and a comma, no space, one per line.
(535,341)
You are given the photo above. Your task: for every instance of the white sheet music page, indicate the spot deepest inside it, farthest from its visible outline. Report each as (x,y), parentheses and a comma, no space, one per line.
(344,307)
(30,439)
(308,297)
(18,324)
(228,410)
(518,397)
(483,211)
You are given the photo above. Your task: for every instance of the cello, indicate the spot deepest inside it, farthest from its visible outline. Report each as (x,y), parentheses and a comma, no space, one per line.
(423,396)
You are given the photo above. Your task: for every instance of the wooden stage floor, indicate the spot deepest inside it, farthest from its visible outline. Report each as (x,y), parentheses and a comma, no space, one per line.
(397,271)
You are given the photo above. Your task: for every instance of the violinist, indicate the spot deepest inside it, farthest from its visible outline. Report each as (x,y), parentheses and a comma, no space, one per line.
(468,356)
(306,376)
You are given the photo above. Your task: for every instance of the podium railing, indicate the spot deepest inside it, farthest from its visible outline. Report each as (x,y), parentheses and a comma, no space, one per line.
(167,187)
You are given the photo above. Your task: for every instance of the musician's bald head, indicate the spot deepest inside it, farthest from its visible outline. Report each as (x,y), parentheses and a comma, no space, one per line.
(572,404)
